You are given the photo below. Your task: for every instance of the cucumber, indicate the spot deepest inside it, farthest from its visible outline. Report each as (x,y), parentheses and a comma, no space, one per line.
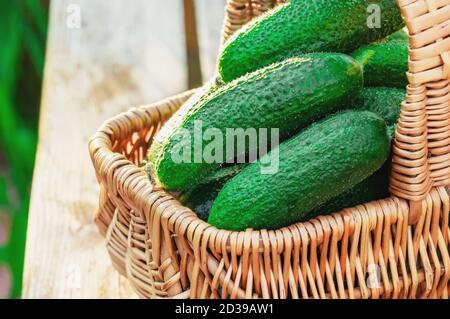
(375,187)
(383,101)
(286,96)
(201,197)
(323,161)
(401,35)
(385,63)
(304,26)
(372,188)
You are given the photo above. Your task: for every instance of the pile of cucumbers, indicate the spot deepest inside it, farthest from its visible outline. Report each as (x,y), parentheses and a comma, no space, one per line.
(327,80)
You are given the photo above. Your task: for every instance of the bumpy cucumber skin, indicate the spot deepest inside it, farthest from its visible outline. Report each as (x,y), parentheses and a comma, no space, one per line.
(323,161)
(372,188)
(288,95)
(385,63)
(305,26)
(401,35)
(201,197)
(383,101)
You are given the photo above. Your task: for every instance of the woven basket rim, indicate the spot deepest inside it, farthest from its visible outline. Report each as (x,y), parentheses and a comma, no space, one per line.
(103,153)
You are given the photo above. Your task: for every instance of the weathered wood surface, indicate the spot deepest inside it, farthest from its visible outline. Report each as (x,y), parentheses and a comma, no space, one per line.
(123,54)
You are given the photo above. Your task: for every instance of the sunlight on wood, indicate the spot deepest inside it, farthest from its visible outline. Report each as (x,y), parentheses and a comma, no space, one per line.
(103,57)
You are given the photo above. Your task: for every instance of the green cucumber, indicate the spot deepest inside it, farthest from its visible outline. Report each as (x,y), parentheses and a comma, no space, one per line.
(372,188)
(304,26)
(385,102)
(375,187)
(320,163)
(385,63)
(286,96)
(201,197)
(401,35)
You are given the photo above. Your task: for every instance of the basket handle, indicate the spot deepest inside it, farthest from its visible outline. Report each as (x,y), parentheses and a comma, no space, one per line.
(239,12)
(421,148)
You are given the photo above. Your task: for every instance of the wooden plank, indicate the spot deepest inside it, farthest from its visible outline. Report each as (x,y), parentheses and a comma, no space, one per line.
(122,55)
(210,15)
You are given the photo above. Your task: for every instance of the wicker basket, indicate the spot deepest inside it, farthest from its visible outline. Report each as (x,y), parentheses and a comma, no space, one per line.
(393,248)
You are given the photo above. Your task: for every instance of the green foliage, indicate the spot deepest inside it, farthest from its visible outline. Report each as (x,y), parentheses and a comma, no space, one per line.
(23,31)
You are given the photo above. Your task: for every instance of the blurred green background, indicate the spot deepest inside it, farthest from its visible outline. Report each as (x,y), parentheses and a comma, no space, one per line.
(23,32)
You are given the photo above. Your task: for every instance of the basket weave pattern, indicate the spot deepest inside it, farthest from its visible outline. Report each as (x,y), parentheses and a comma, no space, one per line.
(393,248)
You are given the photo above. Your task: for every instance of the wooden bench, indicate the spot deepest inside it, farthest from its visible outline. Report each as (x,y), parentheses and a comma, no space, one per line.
(103,57)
